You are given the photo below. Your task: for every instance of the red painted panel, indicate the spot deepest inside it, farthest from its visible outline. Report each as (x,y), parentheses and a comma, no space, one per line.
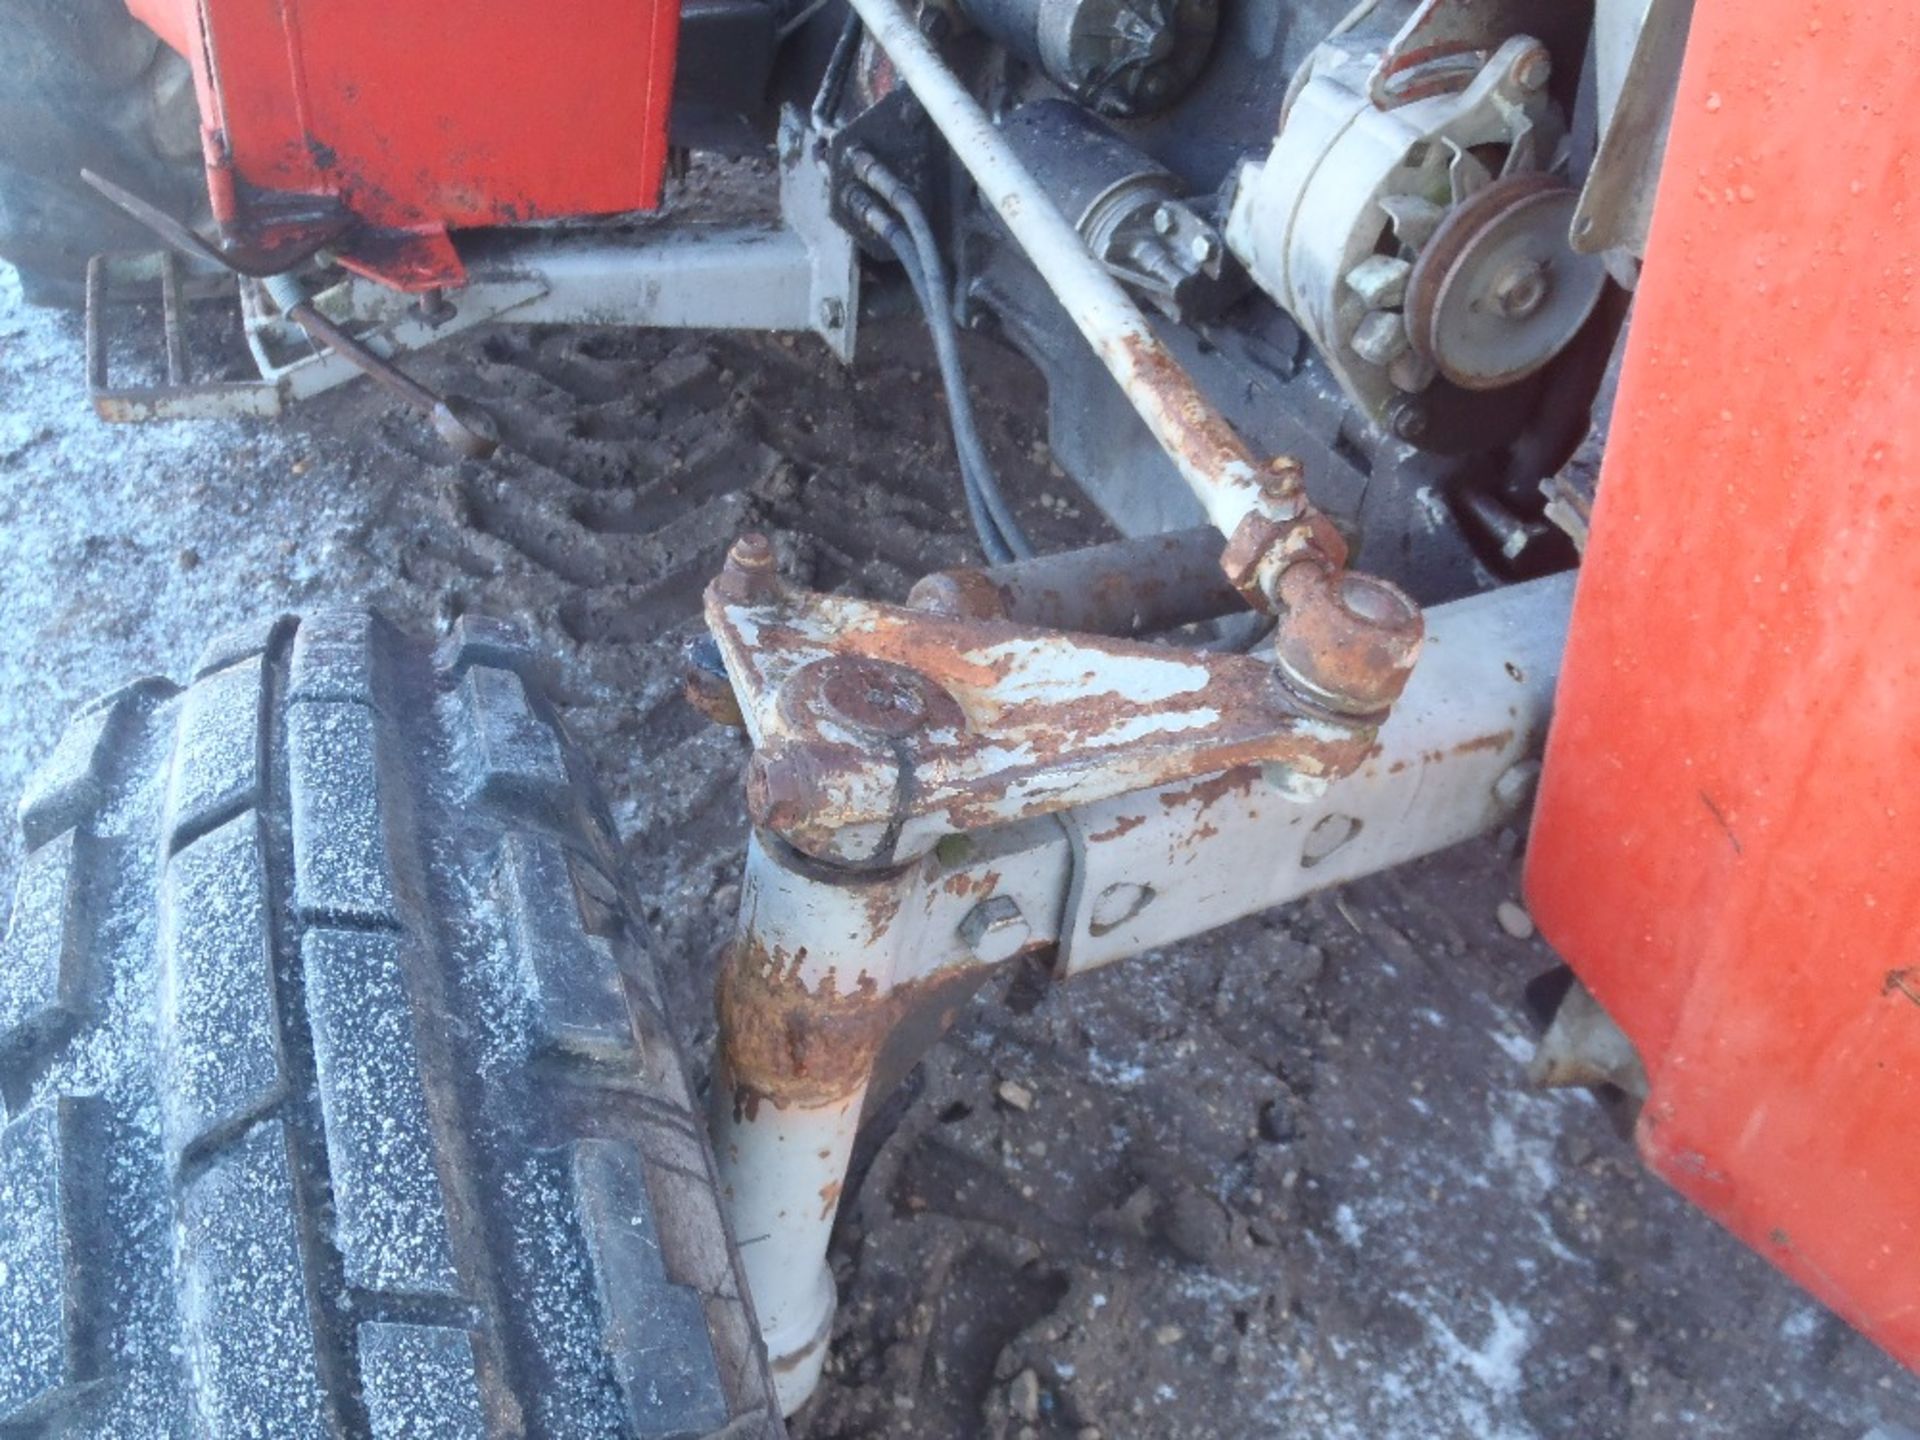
(424,117)
(1727,847)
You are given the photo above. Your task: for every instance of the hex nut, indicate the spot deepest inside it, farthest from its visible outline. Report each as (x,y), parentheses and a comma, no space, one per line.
(1522,289)
(1381,338)
(1516,784)
(1381,281)
(1533,69)
(751,574)
(1346,641)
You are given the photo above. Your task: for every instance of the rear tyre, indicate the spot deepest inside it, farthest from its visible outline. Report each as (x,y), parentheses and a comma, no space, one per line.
(84,85)
(339,1099)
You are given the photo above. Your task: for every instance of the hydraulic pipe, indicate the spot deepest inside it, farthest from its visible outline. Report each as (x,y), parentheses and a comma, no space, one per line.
(1124,588)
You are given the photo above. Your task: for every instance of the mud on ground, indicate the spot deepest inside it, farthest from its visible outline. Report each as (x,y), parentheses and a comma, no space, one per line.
(1282,1181)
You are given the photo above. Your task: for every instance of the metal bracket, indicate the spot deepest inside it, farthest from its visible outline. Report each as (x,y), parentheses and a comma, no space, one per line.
(386,321)
(1441,47)
(803,274)
(1616,204)
(806,204)
(879,728)
(182,397)
(800,275)
(291,367)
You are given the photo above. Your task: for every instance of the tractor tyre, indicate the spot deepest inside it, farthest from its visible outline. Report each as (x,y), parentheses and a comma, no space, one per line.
(339,1097)
(86,86)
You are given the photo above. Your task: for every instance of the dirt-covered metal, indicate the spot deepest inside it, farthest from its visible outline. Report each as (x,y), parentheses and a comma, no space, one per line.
(842,970)
(1126,587)
(879,728)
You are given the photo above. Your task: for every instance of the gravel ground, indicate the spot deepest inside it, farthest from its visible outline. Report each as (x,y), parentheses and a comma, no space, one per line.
(1282,1181)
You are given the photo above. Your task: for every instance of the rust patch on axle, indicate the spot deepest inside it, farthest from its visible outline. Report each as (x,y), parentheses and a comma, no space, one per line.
(881,904)
(1498,740)
(1215,788)
(1121,826)
(963,883)
(788,1044)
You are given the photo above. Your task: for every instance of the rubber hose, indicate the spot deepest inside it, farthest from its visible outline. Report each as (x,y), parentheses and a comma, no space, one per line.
(992,543)
(946,344)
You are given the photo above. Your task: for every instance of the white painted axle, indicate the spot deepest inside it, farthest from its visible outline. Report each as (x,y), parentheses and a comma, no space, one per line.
(1101,882)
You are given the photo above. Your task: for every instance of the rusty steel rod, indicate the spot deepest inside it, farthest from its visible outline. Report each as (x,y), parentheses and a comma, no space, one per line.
(1215,461)
(1344,639)
(468,429)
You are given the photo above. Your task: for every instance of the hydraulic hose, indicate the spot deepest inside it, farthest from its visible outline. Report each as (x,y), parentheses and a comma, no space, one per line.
(826,104)
(992,542)
(934,299)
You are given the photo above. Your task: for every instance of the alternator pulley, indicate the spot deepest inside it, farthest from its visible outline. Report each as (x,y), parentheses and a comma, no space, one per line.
(1497,292)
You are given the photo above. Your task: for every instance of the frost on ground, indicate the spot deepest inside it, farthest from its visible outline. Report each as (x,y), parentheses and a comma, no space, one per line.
(1280,1182)
(106,533)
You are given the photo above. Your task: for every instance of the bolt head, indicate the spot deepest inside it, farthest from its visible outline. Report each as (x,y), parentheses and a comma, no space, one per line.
(995,930)
(1521,289)
(782,788)
(750,576)
(752,551)
(874,696)
(1381,281)
(1516,784)
(1381,337)
(1533,69)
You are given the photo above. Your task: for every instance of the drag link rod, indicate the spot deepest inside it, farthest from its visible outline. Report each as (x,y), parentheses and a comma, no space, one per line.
(1214,460)
(1261,508)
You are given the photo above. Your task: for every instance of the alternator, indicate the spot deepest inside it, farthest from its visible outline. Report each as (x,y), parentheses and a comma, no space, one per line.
(1421,243)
